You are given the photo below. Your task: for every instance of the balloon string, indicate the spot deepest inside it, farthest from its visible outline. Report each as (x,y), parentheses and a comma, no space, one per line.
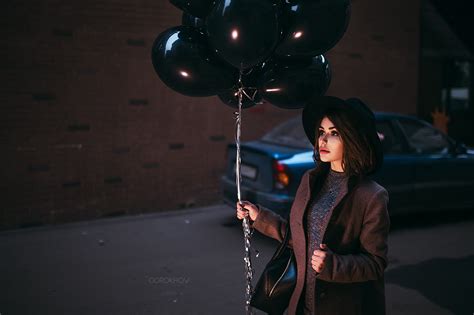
(245,222)
(254,93)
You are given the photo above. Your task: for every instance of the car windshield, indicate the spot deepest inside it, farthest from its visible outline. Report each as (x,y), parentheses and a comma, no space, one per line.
(290,133)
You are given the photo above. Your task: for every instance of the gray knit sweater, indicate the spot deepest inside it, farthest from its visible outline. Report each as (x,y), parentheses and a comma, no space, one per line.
(317,217)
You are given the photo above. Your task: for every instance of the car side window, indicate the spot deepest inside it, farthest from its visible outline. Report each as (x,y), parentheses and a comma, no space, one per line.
(390,142)
(290,133)
(424,138)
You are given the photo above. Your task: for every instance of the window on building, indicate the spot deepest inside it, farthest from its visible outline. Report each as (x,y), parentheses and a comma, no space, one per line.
(455,92)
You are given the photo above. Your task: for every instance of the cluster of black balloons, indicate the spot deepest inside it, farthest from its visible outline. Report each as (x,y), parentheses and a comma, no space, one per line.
(270,48)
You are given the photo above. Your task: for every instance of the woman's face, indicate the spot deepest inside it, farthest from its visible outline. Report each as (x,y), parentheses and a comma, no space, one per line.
(330,144)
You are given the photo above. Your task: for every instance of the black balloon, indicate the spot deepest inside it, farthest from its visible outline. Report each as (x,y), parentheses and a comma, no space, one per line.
(244,32)
(184,62)
(312,27)
(290,83)
(199,8)
(251,96)
(193,21)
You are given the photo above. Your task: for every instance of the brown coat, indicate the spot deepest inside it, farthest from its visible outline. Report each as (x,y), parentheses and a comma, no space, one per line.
(352,281)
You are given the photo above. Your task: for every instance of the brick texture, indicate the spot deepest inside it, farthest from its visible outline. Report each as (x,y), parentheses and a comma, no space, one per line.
(88,130)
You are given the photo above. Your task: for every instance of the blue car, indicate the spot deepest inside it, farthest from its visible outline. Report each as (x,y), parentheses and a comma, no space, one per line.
(423,169)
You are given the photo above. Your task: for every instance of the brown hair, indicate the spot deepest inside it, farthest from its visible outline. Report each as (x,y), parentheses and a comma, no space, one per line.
(362,153)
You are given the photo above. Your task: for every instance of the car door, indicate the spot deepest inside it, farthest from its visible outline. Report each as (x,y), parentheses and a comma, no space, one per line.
(442,178)
(397,171)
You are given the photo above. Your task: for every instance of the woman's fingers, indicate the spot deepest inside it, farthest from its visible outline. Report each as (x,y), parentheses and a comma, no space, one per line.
(318,259)
(243,209)
(245,204)
(318,267)
(319,253)
(242,205)
(241,214)
(249,208)
(317,263)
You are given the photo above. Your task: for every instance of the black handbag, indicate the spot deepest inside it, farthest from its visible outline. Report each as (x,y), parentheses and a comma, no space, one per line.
(275,286)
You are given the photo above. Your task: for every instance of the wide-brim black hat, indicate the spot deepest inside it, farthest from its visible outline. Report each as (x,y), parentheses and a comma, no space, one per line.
(313,111)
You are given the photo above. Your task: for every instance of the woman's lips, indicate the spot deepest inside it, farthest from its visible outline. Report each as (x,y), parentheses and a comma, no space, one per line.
(322,151)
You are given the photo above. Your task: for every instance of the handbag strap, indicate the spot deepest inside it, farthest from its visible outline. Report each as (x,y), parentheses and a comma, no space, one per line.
(284,243)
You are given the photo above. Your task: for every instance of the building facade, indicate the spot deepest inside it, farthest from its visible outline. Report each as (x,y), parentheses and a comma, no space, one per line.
(88,130)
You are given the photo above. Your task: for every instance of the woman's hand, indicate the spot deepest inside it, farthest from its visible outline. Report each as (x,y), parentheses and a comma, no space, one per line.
(246,208)
(319,258)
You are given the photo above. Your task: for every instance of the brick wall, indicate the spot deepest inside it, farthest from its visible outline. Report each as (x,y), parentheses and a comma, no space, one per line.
(377,59)
(88,130)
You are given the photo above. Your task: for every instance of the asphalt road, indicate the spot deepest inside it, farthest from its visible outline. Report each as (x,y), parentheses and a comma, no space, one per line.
(191,262)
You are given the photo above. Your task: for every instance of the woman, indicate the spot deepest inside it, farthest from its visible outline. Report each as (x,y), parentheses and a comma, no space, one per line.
(339,219)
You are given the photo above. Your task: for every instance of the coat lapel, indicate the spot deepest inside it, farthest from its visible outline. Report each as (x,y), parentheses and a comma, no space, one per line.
(311,186)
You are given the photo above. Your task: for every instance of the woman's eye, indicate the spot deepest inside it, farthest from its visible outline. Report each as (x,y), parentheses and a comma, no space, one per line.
(335,133)
(321,132)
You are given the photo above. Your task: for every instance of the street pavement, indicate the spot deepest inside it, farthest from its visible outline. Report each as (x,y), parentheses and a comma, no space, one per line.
(191,262)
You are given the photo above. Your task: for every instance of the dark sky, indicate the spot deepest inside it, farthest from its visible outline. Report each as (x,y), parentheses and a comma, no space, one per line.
(460,15)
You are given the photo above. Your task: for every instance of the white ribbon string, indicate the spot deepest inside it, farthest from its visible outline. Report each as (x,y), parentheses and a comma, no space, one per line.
(245,222)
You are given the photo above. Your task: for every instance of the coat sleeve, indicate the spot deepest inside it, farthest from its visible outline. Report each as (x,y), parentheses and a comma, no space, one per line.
(371,262)
(271,224)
